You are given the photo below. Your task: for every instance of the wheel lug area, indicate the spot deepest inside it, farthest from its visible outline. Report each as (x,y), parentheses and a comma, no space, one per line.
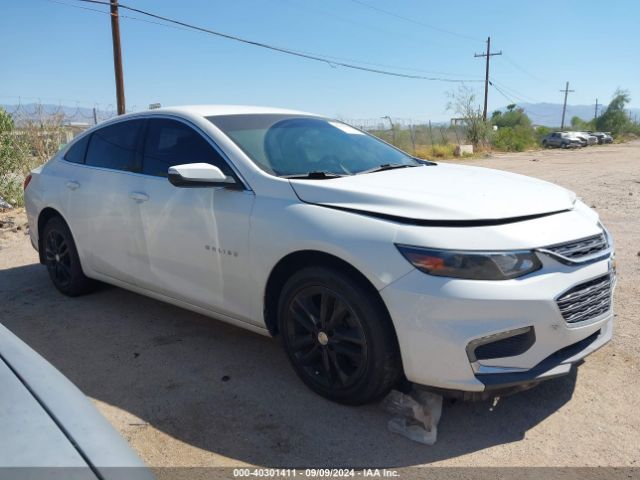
(323,338)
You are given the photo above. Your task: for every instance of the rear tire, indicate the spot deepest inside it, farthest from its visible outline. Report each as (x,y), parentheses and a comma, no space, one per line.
(62,261)
(338,336)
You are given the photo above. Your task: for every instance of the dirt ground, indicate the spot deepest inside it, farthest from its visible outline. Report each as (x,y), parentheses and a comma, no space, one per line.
(185,390)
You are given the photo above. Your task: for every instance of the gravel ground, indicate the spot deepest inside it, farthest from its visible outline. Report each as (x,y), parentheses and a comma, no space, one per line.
(186,390)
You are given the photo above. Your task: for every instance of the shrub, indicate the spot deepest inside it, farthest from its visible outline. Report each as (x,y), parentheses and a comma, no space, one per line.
(516,139)
(542,132)
(513,117)
(437,151)
(25,144)
(12,160)
(463,103)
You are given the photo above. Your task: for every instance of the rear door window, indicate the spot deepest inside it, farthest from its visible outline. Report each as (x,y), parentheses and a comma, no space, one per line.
(76,153)
(170,142)
(115,146)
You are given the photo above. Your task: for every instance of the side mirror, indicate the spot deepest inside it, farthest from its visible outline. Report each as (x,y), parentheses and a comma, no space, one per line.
(200,175)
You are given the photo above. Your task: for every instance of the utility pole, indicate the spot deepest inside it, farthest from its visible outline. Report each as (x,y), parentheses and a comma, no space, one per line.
(595,115)
(433,147)
(95,116)
(486,77)
(117,56)
(393,130)
(564,108)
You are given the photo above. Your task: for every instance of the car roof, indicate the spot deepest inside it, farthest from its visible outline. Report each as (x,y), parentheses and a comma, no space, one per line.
(211,110)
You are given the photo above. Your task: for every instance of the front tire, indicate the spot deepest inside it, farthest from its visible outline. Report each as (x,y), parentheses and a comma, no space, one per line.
(338,336)
(62,261)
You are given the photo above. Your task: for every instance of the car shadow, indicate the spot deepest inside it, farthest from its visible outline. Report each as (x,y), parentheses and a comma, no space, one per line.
(228,391)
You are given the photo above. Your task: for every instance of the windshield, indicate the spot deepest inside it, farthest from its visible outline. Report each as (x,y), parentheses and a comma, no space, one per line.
(289,145)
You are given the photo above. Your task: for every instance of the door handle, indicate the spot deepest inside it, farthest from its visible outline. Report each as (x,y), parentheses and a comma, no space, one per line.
(139,196)
(72,185)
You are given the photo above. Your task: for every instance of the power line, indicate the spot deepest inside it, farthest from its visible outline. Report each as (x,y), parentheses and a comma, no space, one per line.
(523,70)
(361,24)
(315,57)
(515,93)
(416,22)
(463,78)
(514,101)
(78,6)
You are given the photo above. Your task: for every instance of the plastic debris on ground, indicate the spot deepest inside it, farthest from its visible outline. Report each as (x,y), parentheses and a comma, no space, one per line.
(415,415)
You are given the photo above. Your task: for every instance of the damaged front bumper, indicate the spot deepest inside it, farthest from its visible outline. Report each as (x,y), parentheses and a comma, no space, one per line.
(478,336)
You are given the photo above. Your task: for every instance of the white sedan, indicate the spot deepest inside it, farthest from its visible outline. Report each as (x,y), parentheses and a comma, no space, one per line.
(372,266)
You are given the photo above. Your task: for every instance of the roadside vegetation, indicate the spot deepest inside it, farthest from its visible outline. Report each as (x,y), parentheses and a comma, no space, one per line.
(510,130)
(12,161)
(26,143)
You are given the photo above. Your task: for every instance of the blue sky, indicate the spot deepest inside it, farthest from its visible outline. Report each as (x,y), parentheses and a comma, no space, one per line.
(63,54)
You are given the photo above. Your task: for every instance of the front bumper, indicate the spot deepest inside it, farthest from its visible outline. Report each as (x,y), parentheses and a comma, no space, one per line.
(436,318)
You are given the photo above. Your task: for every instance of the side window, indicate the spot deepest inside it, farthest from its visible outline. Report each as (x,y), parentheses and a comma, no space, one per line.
(114,146)
(76,153)
(169,142)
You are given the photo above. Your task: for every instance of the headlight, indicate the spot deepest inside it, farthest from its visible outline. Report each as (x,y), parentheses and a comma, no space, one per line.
(470,264)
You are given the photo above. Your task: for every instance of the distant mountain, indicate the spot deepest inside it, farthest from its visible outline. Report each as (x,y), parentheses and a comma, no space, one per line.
(547,114)
(550,114)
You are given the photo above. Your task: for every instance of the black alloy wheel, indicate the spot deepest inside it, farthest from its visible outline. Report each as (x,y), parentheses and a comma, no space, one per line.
(338,336)
(57,258)
(327,337)
(61,259)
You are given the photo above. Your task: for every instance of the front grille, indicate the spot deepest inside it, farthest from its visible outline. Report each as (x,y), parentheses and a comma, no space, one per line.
(587,300)
(580,248)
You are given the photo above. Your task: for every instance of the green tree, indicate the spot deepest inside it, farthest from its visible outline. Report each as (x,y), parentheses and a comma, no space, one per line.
(511,118)
(614,119)
(463,103)
(579,124)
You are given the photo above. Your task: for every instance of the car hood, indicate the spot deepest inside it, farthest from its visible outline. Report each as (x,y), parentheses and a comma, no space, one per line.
(442,192)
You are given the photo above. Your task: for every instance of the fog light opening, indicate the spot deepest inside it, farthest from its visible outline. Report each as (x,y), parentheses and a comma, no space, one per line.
(501,345)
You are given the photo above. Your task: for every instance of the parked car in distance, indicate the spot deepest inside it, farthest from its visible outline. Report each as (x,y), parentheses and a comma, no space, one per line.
(562,140)
(581,138)
(47,423)
(602,137)
(588,138)
(371,266)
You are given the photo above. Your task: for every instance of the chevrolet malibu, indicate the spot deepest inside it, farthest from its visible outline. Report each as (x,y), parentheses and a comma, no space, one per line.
(372,267)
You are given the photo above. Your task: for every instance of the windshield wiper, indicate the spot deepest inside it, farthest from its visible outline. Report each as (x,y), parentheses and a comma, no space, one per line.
(314,175)
(422,161)
(387,166)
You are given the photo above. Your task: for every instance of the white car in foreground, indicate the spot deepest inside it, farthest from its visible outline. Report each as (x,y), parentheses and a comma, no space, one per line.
(49,429)
(370,265)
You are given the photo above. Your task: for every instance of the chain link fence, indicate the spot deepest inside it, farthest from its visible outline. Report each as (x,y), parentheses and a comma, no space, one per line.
(419,138)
